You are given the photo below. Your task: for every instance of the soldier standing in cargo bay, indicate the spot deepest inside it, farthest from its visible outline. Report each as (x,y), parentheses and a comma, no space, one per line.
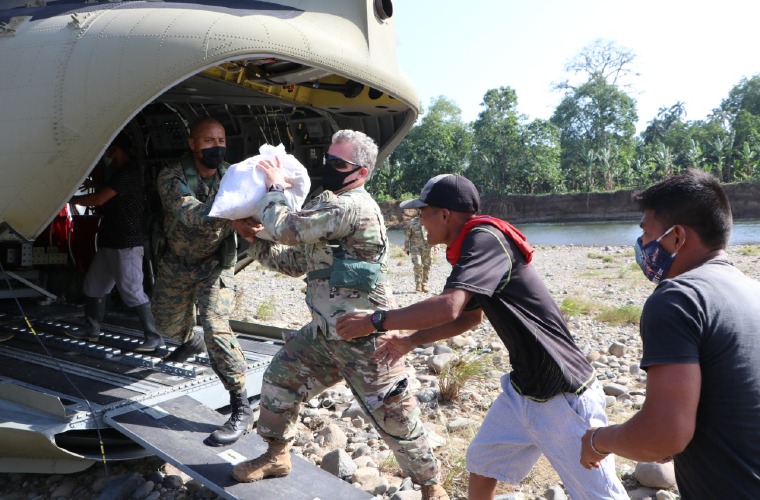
(417,247)
(337,237)
(198,266)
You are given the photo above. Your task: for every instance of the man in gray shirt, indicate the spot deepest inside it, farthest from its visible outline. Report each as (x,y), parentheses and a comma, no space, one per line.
(701,348)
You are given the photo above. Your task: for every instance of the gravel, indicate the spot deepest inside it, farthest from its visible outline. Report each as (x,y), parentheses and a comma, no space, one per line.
(598,279)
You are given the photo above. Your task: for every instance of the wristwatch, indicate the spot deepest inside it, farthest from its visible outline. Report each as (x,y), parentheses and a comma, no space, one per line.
(276,187)
(378,318)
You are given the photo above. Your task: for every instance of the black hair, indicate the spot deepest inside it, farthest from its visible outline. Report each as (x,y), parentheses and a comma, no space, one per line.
(203,120)
(693,198)
(123,142)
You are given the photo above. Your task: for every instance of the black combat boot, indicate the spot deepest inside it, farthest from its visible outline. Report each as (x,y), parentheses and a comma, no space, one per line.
(240,421)
(194,346)
(94,312)
(152,339)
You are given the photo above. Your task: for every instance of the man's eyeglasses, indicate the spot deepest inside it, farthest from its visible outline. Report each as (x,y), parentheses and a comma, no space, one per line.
(337,162)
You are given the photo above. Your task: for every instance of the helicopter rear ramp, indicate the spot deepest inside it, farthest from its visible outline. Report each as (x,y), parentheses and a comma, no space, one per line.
(175,430)
(60,398)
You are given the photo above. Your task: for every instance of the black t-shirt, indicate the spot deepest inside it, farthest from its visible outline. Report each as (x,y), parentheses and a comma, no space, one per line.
(123,225)
(544,357)
(711,316)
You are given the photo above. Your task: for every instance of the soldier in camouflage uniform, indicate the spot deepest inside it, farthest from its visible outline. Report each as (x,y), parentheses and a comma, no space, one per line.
(417,247)
(198,266)
(343,222)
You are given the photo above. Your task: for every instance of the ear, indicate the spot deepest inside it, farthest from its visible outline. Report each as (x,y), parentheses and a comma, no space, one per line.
(680,236)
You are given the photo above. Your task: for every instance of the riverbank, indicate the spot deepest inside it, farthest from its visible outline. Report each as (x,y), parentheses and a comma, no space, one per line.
(601,291)
(588,207)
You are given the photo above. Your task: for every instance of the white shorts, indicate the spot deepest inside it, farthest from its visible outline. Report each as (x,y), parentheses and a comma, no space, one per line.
(517,430)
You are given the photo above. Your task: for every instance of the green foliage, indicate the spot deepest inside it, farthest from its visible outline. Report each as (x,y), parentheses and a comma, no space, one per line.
(266,310)
(389,465)
(576,307)
(600,256)
(597,122)
(438,145)
(628,314)
(748,250)
(588,145)
(459,371)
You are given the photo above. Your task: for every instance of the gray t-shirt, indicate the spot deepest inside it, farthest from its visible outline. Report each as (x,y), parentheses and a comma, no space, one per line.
(711,316)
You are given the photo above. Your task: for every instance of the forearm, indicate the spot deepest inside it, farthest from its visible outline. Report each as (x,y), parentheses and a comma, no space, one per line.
(320,222)
(95,199)
(632,442)
(86,200)
(440,310)
(460,325)
(666,423)
(193,213)
(286,260)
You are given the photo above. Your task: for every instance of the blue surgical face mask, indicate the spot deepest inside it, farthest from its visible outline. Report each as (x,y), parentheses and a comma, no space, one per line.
(653,259)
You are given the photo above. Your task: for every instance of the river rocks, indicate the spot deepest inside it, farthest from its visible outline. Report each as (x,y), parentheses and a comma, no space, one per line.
(439,361)
(573,276)
(338,463)
(615,389)
(332,437)
(654,475)
(617,349)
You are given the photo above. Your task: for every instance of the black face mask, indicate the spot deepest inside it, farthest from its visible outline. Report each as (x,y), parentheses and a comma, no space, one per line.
(213,157)
(334,180)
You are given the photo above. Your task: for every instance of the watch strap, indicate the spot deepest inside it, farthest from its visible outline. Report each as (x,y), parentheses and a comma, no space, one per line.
(378,318)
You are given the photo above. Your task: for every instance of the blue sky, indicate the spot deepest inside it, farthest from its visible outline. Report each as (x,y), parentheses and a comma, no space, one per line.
(693,52)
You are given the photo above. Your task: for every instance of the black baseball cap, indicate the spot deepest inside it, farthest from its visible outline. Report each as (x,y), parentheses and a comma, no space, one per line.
(451,191)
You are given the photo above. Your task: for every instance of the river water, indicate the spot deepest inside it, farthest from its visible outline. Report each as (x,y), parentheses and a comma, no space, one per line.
(746,231)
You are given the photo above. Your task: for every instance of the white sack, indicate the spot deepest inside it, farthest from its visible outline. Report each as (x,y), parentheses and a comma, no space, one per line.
(243,185)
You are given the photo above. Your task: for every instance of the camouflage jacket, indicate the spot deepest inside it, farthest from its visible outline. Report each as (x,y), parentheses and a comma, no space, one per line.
(416,235)
(194,236)
(354,219)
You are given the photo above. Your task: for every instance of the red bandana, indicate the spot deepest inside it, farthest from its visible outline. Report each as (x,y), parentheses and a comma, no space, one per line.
(454,251)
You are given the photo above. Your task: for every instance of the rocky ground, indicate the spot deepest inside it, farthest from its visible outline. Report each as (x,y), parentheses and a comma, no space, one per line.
(601,291)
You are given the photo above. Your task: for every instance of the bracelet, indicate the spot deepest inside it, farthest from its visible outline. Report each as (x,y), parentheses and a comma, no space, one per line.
(591,442)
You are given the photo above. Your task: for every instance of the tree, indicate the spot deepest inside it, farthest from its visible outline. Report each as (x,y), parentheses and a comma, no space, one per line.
(439,144)
(603,59)
(598,117)
(539,163)
(496,142)
(741,114)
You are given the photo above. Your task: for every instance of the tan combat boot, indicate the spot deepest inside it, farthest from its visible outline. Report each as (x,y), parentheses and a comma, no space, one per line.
(423,288)
(433,492)
(274,463)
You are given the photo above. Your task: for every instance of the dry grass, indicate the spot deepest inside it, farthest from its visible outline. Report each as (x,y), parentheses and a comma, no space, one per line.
(459,371)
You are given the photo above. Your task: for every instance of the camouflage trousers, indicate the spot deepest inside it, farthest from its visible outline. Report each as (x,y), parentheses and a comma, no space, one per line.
(306,366)
(178,288)
(421,262)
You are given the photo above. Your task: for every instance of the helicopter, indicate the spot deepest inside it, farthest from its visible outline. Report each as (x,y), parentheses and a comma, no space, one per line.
(78,73)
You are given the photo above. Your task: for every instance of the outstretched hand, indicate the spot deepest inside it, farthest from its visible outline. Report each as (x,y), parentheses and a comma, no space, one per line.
(273,172)
(354,325)
(393,348)
(247,228)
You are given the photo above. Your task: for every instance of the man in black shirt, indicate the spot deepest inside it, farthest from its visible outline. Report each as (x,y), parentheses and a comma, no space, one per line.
(120,253)
(551,396)
(701,340)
